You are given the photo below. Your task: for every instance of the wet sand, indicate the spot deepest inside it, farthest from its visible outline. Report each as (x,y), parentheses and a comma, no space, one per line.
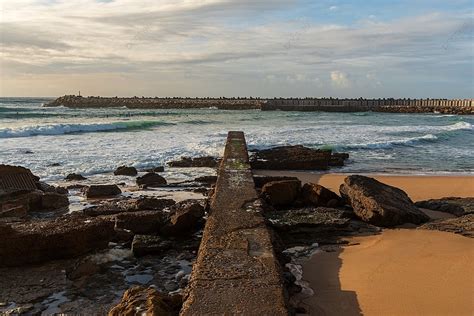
(417,187)
(399,272)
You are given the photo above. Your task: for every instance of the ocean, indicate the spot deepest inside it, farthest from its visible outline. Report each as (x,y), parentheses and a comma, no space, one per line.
(53,142)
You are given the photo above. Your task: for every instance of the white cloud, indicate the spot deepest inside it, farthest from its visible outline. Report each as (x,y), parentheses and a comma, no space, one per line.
(333,8)
(340,79)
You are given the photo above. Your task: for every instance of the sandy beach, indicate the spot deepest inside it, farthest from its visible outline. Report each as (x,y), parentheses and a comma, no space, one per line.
(400,271)
(417,187)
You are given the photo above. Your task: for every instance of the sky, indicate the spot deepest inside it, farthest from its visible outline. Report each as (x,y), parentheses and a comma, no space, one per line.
(266,48)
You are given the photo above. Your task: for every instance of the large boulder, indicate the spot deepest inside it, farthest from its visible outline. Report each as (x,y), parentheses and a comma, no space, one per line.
(380,204)
(260,181)
(151,179)
(147,301)
(125,171)
(149,245)
(207,161)
(317,195)
(187,218)
(281,193)
(102,190)
(453,205)
(44,240)
(54,201)
(295,158)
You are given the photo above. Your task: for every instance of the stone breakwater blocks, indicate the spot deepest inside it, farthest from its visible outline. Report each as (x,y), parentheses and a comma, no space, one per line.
(236,272)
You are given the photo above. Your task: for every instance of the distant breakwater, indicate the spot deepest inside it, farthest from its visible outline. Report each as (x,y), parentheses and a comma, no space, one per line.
(445,106)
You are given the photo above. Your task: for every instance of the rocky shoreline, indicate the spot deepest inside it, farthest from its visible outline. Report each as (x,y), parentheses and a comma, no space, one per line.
(124,250)
(444,106)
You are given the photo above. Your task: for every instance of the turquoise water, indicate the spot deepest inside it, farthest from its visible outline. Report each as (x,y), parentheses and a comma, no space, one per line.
(94,141)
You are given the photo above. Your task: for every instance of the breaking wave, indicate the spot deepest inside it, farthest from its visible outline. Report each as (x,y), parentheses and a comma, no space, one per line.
(60,129)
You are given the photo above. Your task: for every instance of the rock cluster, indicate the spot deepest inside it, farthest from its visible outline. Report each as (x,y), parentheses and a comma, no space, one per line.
(296,158)
(199,162)
(125,171)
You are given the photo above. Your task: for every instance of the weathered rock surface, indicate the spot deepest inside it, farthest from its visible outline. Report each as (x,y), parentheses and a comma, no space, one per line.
(45,240)
(295,158)
(149,245)
(463,225)
(75,177)
(317,195)
(453,205)
(102,190)
(207,180)
(186,218)
(128,205)
(146,301)
(156,169)
(281,193)
(151,179)
(125,171)
(54,201)
(141,222)
(207,161)
(380,204)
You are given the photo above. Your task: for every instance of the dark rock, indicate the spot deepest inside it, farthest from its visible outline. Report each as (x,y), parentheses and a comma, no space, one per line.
(463,225)
(209,180)
(142,301)
(317,195)
(102,190)
(149,245)
(14,209)
(126,171)
(208,161)
(290,158)
(260,181)
(453,205)
(151,179)
(54,164)
(380,204)
(186,218)
(141,222)
(82,268)
(62,190)
(338,159)
(54,201)
(128,205)
(44,240)
(156,169)
(74,177)
(15,178)
(281,193)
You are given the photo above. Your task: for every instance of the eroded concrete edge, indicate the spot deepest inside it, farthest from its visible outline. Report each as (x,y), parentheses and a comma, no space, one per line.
(236,272)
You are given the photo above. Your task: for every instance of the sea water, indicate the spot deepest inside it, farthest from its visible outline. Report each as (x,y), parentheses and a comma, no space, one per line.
(53,142)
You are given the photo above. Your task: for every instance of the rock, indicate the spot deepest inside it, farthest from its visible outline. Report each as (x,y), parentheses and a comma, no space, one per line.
(149,245)
(453,205)
(44,240)
(141,301)
(294,158)
(14,210)
(128,205)
(54,201)
(317,195)
(151,179)
(207,161)
(15,178)
(208,180)
(281,193)
(126,171)
(102,190)
(75,177)
(338,159)
(463,225)
(380,204)
(260,181)
(156,169)
(141,222)
(187,218)
(83,268)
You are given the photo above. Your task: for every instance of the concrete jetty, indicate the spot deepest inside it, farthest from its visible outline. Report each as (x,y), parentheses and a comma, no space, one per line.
(236,272)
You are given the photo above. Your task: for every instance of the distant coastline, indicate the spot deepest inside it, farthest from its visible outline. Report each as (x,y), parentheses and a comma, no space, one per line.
(445,106)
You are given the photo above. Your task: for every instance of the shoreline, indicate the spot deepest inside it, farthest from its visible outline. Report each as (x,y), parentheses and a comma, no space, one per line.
(418,187)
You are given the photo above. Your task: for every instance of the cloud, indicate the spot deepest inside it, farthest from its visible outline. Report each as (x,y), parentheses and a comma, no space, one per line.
(339,79)
(236,45)
(333,8)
